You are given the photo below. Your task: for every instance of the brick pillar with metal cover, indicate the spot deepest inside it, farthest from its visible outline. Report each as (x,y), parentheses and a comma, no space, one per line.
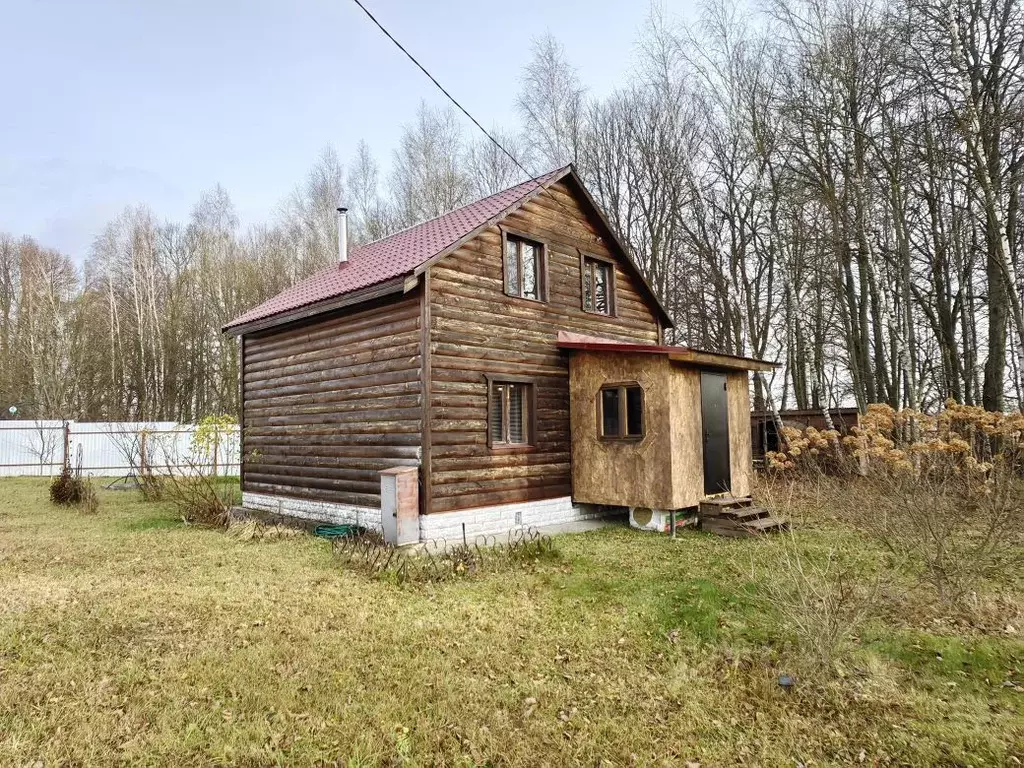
(400,505)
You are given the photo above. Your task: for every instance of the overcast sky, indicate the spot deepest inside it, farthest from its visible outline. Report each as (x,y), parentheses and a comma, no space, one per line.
(114,102)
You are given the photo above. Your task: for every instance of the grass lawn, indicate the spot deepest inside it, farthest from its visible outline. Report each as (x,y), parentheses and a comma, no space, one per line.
(129,638)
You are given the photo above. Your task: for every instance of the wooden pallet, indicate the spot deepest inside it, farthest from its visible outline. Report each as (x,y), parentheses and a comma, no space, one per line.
(737,517)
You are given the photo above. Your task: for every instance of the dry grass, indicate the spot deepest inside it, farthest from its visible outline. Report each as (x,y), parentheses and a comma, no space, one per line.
(129,638)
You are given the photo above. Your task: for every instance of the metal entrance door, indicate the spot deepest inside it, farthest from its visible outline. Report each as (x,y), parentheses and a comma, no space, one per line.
(714,411)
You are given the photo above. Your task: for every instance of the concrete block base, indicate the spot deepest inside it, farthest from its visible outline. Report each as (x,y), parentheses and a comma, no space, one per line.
(500,519)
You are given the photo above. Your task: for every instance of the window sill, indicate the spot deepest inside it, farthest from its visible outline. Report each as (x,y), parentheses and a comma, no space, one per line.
(526,298)
(627,439)
(600,314)
(511,448)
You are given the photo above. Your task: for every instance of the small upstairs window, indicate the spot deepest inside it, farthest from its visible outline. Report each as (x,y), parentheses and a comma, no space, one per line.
(510,414)
(598,286)
(621,411)
(524,268)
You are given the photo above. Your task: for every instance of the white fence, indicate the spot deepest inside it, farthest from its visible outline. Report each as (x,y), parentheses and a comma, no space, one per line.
(112,449)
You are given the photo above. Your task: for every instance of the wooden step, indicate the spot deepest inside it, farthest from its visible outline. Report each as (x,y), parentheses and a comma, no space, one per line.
(732,531)
(728,501)
(743,513)
(724,505)
(737,517)
(765,525)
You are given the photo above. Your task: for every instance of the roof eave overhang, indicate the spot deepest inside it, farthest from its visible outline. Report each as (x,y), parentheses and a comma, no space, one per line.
(684,355)
(697,357)
(400,284)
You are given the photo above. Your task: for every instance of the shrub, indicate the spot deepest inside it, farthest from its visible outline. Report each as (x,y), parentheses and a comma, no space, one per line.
(891,440)
(214,438)
(66,488)
(199,500)
(70,488)
(819,601)
(959,521)
(946,490)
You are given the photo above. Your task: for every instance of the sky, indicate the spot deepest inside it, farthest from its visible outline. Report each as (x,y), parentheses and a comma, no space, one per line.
(109,103)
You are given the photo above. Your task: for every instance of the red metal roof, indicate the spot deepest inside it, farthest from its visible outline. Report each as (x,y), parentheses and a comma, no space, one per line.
(399,254)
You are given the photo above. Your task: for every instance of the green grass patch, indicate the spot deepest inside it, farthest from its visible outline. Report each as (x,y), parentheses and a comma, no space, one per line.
(162,520)
(127,637)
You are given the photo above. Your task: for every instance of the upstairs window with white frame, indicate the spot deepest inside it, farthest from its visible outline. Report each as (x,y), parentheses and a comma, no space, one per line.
(524,267)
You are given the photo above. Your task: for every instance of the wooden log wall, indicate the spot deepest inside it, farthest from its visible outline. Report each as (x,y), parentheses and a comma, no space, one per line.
(329,404)
(475,329)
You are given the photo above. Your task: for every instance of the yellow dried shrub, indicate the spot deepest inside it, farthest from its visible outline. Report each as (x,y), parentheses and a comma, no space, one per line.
(887,440)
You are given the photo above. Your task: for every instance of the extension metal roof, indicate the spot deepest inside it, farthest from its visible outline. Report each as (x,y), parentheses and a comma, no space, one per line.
(583,343)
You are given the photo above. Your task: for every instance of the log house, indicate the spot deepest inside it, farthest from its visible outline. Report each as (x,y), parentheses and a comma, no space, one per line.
(480,348)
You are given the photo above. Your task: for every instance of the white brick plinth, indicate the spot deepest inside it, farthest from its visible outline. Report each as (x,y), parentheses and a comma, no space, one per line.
(489,521)
(503,518)
(307,509)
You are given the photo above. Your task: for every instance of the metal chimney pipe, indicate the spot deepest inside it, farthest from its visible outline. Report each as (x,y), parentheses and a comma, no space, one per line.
(342,235)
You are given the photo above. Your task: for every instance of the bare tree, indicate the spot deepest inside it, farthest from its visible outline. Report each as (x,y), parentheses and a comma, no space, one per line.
(551,104)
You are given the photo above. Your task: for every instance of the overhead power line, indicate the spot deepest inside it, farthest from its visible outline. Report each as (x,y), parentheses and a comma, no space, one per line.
(451,98)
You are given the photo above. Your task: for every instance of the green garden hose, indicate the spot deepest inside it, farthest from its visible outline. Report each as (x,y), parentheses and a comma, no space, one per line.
(336,531)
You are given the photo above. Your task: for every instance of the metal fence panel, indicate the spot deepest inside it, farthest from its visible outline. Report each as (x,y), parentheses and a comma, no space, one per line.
(111,449)
(31,447)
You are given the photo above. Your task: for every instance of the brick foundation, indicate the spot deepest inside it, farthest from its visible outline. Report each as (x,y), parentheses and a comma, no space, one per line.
(503,518)
(308,509)
(489,521)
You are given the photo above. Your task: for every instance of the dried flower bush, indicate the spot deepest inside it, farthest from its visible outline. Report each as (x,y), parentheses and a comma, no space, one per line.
(895,440)
(943,492)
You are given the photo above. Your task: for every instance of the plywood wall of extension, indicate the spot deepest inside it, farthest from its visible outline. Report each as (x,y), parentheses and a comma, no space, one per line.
(329,404)
(476,330)
(664,468)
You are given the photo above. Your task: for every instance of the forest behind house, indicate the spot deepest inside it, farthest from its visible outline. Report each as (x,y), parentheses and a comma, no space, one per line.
(833,184)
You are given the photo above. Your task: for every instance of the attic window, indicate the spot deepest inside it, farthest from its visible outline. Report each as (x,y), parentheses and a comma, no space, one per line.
(621,411)
(524,267)
(598,285)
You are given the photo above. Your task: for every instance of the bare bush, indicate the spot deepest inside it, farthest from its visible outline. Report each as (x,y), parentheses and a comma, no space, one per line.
(201,498)
(959,527)
(819,600)
(134,448)
(44,445)
(942,492)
